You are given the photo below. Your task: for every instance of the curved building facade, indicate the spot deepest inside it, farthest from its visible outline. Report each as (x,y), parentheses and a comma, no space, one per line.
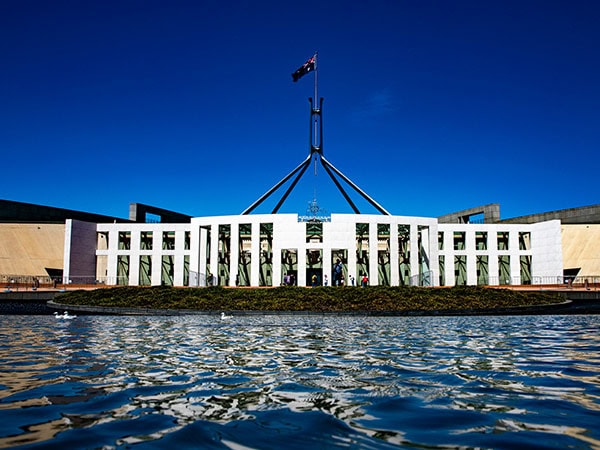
(275,249)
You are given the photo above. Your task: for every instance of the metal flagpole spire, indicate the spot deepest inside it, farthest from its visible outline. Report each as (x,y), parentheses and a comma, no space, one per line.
(314,106)
(316,151)
(316,74)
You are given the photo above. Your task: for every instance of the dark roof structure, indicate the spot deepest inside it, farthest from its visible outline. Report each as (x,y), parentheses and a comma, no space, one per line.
(19,212)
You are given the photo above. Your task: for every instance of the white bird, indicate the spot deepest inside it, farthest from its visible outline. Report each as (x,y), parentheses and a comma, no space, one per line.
(225,316)
(64,315)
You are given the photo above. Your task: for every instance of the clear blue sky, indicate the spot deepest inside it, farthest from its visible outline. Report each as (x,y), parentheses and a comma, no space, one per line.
(430,106)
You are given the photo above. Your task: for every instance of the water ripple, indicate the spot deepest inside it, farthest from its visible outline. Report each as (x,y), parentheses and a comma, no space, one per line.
(285,381)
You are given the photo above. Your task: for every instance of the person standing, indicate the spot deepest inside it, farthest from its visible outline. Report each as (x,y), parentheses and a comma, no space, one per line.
(364,280)
(337,273)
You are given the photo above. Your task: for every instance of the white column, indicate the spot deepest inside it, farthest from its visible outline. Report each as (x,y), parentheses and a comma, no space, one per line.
(433,255)
(134,257)
(394,269)
(111,258)
(471,257)
(352,255)
(156,257)
(199,257)
(373,244)
(515,259)
(255,254)
(234,259)
(327,263)
(276,261)
(301,266)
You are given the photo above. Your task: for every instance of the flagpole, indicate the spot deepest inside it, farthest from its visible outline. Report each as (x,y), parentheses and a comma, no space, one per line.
(315,108)
(316,152)
(316,82)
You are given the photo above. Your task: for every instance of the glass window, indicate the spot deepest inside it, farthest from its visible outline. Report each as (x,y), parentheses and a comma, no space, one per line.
(167,270)
(504,269)
(289,266)
(524,241)
(482,270)
(224,261)
(502,240)
(362,249)
(244,255)
(124,240)
(266,255)
(146,240)
(481,240)
(460,270)
(383,254)
(186,270)
(145,272)
(404,254)
(525,269)
(459,240)
(314,232)
(168,240)
(123,270)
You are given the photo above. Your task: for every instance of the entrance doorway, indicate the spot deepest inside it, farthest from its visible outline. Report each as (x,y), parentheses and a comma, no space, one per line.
(314,266)
(339,277)
(316,272)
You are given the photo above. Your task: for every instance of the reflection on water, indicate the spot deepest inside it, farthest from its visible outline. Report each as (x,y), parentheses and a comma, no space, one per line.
(285,381)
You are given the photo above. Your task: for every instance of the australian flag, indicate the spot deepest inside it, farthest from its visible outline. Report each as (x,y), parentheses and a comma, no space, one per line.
(305,68)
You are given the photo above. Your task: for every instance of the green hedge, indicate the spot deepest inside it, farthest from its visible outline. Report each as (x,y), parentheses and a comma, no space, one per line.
(319,299)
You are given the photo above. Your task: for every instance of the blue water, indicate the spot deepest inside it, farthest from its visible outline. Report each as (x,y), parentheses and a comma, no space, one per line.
(272,382)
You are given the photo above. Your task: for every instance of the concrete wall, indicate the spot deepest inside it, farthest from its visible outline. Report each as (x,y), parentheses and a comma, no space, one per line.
(28,249)
(138,212)
(547,251)
(80,254)
(581,249)
(582,215)
(491,214)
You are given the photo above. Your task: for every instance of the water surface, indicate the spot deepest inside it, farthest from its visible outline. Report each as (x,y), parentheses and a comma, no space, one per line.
(271,382)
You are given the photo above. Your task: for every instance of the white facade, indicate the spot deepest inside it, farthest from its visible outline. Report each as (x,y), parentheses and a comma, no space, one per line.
(288,234)
(118,242)
(260,250)
(541,242)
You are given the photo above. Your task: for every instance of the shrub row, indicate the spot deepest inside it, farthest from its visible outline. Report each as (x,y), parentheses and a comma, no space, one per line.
(319,299)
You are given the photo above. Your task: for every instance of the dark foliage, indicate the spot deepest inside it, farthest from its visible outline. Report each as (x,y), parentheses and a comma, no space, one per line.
(320,299)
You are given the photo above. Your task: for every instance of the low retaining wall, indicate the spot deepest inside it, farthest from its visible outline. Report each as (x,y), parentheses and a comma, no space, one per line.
(26,302)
